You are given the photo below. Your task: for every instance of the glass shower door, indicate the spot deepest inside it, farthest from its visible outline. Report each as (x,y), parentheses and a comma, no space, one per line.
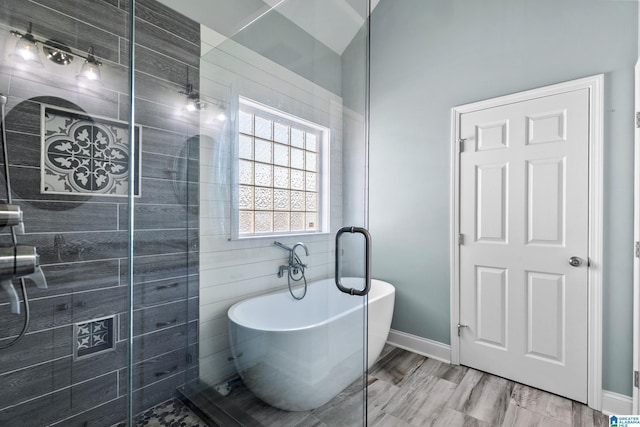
(280,97)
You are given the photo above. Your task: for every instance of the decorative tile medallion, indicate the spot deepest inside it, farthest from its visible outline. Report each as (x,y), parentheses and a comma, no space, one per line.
(94,337)
(85,155)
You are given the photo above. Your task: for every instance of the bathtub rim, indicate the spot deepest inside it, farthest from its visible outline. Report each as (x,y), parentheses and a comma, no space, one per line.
(380,290)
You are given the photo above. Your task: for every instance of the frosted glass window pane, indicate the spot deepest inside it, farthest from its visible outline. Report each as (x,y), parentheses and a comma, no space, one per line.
(281,154)
(263,151)
(246,222)
(281,133)
(264,222)
(263,127)
(264,175)
(279,162)
(312,201)
(312,221)
(297,179)
(246,197)
(245,174)
(297,201)
(312,142)
(264,199)
(245,122)
(297,158)
(297,138)
(281,221)
(246,147)
(280,177)
(297,221)
(281,200)
(311,181)
(312,161)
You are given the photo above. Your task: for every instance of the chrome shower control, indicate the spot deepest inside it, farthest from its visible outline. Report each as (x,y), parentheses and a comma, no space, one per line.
(21,261)
(11,216)
(17,261)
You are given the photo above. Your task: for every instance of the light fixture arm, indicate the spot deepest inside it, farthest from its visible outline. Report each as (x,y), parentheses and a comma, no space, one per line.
(193,103)
(90,57)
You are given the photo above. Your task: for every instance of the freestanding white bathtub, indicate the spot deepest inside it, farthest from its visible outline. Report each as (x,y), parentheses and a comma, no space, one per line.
(298,355)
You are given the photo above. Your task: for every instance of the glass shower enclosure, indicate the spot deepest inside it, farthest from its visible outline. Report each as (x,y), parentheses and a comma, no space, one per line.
(155,152)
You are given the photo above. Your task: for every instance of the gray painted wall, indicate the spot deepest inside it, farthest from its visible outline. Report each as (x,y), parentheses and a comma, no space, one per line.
(354,152)
(430,56)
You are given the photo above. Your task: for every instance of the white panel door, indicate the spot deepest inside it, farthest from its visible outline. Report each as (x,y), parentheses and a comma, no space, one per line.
(524,205)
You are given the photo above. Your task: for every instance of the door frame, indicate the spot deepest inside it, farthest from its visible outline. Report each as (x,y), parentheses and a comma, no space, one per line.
(595,84)
(636,239)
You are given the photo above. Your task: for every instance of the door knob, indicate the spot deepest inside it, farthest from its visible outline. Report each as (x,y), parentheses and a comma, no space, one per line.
(575,261)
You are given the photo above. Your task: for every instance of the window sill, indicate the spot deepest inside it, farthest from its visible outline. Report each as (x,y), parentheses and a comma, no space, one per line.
(279,236)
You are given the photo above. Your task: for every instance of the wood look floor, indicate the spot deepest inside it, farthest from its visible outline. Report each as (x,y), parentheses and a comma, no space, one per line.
(406,389)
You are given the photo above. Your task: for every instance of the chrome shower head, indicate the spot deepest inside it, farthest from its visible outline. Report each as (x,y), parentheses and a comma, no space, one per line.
(3,99)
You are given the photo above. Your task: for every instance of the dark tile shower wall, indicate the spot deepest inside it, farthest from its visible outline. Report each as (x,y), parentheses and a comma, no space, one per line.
(83,240)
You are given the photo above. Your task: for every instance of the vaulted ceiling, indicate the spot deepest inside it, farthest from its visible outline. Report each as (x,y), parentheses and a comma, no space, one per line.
(332,22)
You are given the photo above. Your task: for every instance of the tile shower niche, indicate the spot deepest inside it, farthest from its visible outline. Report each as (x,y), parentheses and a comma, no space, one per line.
(94,337)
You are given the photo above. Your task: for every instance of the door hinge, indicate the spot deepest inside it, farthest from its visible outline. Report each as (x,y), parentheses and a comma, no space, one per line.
(636,378)
(637,249)
(638,119)
(460,239)
(461,144)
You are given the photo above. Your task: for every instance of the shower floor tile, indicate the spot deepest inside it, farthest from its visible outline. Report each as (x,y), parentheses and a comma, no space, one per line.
(171,413)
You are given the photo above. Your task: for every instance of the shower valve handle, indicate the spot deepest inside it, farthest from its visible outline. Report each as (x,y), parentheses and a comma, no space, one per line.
(38,278)
(14,301)
(19,229)
(21,261)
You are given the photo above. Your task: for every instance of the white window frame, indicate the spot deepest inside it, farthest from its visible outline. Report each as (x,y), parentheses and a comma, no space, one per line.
(323,152)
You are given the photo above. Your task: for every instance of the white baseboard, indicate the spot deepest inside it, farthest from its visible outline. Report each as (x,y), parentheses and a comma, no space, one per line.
(426,347)
(616,404)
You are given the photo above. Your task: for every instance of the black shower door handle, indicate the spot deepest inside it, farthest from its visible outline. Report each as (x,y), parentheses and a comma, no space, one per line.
(367,262)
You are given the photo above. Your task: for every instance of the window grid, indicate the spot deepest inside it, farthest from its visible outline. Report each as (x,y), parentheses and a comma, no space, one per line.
(279,163)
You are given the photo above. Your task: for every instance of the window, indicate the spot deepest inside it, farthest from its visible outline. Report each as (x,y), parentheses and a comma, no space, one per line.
(280,172)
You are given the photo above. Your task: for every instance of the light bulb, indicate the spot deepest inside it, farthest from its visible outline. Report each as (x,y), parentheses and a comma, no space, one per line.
(90,70)
(26,50)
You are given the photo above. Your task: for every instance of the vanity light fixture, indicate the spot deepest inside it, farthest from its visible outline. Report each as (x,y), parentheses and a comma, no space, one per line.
(27,51)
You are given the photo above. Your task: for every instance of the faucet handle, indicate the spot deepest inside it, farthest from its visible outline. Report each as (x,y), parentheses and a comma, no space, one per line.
(19,228)
(281,270)
(14,301)
(280,245)
(38,278)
